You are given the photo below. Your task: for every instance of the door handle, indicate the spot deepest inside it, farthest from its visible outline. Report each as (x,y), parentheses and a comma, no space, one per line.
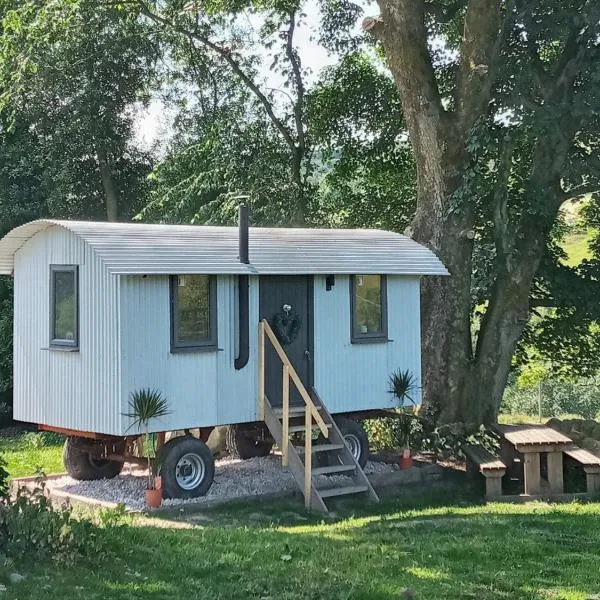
(307,354)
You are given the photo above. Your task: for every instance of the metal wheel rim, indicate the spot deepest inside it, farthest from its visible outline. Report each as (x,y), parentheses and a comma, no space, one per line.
(353,444)
(189,471)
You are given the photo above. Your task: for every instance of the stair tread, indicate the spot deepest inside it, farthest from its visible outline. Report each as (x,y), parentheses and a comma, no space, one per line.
(299,428)
(333,469)
(294,410)
(321,448)
(341,491)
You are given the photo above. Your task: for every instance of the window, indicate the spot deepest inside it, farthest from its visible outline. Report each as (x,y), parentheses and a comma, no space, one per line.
(193,312)
(64,306)
(368,300)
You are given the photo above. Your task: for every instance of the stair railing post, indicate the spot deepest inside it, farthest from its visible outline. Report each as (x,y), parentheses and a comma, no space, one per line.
(261,371)
(286,416)
(307,456)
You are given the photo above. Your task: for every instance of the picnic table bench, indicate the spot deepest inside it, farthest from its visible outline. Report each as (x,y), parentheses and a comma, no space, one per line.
(534,441)
(483,461)
(591,466)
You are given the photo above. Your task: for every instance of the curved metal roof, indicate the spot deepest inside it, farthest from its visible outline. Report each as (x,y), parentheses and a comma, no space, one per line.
(140,248)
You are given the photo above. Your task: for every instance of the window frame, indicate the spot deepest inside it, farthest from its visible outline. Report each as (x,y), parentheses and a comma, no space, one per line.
(356,337)
(208,344)
(59,343)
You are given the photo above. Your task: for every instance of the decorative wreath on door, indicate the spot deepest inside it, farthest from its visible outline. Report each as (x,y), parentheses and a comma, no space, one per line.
(286,327)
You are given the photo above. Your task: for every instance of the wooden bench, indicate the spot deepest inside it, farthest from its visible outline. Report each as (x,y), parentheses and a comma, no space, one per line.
(591,466)
(482,461)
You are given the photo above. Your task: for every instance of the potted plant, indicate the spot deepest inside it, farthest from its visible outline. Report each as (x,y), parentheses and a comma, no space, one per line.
(403,386)
(145,405)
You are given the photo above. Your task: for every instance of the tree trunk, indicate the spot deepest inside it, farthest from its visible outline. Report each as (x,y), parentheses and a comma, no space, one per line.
(458,383)
(111,194)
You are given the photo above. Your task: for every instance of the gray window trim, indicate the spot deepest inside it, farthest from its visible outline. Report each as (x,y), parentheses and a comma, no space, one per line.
(356,337)
(196,345)
(58,343)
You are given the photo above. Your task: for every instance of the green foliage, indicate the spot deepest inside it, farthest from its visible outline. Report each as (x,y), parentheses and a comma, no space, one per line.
(32,529)
(579,396)
(419,434)
(147,405)
(403,386)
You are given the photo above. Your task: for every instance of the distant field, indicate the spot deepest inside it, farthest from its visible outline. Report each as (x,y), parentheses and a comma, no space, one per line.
(576,247)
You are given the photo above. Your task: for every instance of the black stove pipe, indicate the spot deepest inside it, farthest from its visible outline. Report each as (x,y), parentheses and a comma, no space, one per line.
(243,293)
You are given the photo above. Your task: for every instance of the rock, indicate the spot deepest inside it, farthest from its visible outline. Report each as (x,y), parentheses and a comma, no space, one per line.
(587,427)
(592,445)
(16,578)
(556,424)
(596,432)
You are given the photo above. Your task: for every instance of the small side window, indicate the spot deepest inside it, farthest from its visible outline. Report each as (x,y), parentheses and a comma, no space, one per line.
(193,312)
(64,306)
(368,301)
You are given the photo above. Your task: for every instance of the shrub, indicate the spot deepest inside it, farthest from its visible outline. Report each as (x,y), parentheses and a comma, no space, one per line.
(578,397)
(444,441)
(30,527)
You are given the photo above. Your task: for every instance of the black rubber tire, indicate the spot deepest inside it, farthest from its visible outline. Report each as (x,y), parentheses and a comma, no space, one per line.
(80,465)
(244,441)
(348,427)
(170,455)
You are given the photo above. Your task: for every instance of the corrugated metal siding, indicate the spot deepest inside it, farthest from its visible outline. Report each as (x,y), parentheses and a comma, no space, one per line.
(75,390)
(202,388)
(355,376)
(134,248)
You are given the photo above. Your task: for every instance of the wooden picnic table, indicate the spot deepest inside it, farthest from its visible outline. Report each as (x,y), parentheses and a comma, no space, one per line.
(531,441)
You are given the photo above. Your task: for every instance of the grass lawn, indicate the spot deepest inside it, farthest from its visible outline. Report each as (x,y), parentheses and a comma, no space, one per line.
(576,246)
(29,453)
(437,547)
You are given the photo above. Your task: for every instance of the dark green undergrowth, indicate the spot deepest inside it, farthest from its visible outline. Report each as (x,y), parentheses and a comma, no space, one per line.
(437,546)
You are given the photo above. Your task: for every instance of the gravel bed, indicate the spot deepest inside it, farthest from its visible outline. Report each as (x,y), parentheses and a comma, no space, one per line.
(233,479)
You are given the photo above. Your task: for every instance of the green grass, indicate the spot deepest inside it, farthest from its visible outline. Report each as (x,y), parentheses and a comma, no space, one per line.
(519,418)
(437,547)
(30,453)
(576,247)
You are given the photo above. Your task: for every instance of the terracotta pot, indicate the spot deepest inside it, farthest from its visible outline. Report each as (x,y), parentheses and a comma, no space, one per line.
(406,461)
(153,498)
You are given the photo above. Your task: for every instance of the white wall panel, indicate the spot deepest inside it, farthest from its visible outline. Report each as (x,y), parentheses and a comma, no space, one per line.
(350,377)
(74,390)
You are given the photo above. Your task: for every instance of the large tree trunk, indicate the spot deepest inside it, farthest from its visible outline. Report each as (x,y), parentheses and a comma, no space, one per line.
(458,383)
(111,194)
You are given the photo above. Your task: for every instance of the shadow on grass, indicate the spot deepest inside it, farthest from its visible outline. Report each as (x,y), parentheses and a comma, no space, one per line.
(440,547)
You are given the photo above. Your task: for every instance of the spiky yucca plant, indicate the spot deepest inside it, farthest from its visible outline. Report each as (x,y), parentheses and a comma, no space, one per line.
(403,384)
(145,405)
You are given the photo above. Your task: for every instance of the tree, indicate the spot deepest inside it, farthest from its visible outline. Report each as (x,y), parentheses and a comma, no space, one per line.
(73,71)
(521,76)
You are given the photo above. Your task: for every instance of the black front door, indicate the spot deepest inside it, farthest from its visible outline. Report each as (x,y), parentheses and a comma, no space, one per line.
(286,303)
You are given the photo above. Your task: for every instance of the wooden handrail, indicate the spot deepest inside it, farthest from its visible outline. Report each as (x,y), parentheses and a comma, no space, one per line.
(290,373)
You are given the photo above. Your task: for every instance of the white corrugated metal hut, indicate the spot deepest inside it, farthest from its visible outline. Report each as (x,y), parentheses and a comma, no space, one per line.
(103,309)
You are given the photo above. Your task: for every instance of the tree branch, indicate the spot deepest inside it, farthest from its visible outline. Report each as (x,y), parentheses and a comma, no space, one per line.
(226,55)
(298,105)
(501,220)
(480,46)
(579,191)
(401,28)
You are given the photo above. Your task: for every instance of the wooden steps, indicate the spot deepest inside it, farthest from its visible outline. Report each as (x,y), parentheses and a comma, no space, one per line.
(295,411)
(302,428)
(320,448)
(313,415)
(333,469)
(342,491)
